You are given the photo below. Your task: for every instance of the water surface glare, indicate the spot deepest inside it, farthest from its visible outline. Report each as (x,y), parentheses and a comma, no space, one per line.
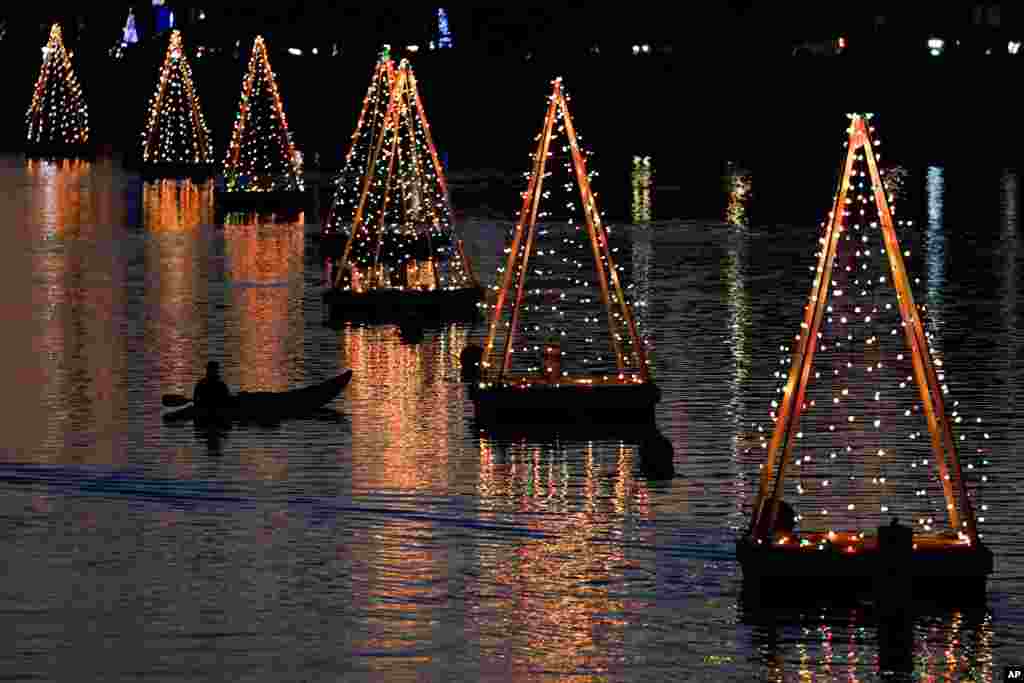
(389,539)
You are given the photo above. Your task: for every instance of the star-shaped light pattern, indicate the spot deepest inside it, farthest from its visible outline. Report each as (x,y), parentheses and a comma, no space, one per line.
(391,199)
(261,156)
(568,318)
(864,428)
(58,113)
(176,131)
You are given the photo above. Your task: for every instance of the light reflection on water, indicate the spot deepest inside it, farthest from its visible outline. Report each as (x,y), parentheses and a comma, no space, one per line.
(397,541)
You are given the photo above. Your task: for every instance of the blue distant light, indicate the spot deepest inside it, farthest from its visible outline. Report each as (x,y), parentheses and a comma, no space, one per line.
(444,35)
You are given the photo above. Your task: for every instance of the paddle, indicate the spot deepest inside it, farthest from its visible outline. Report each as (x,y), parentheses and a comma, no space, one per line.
(175,400)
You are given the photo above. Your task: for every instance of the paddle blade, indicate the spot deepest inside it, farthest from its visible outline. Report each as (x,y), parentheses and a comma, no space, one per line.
(175,400)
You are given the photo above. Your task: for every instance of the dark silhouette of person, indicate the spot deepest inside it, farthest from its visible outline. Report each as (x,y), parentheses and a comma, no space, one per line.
(211,393)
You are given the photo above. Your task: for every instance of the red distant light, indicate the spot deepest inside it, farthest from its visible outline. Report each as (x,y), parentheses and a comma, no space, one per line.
(842,43)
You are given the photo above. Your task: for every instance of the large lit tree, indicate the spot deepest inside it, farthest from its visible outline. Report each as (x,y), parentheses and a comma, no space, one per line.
(176,131)
(58,114)
(261,156)
(862,416)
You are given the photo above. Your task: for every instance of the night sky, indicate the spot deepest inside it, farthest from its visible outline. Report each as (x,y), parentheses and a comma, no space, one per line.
(733,25)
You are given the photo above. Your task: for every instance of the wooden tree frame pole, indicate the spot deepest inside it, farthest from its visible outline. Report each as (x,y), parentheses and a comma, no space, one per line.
(438,169)
(164,79)
(384,201)
(595,243)
(524,213)
(799,374)
(924,371)
(388,67)
(599,241)
(538,191)
(407,107)
(197,124)
(943,443)
(357,222)
(235,148)
(441,179)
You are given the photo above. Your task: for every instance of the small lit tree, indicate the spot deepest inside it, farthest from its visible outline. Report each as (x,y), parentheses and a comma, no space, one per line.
(553,332)
(176,131)
(261,156)
(392,197)
(58,114)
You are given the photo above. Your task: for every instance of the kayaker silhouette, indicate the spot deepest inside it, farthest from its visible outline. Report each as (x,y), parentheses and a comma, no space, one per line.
(211,393)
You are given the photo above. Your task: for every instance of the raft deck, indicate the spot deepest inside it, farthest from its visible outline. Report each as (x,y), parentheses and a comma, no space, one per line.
(535,400)
(816,566)
(395,305)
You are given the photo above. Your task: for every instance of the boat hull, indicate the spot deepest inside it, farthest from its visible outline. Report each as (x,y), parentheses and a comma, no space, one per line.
(261,201)
(395,306)
(501,408)
(772,575)
(194,172)
(266,406)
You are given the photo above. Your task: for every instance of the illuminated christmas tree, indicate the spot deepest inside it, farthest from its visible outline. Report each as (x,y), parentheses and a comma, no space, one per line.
(392,201)
(863,425)
(58,114)
(176,131)
(261,156)
(129,36)
(569,321)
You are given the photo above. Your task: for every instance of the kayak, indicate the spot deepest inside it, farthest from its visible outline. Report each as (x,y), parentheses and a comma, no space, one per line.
(268,406)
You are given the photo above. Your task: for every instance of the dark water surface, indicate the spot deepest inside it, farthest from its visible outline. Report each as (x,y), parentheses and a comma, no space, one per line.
(390,540)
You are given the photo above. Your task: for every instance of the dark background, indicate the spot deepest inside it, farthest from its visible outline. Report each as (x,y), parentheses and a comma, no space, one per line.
(721,82)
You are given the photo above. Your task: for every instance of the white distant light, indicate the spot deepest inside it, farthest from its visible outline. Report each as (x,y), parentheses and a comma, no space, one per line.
(295,51)
(636,49)
(433,45)
(1013,47)
(646,48)
(413,48)
(315,51)
(202,15)
(936,52)
(936,43)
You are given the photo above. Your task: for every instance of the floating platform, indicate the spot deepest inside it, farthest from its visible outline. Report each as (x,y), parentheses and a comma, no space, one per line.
(814,568)
(296,200)
(609,405)
(398,305)
(61,151)
(196,172)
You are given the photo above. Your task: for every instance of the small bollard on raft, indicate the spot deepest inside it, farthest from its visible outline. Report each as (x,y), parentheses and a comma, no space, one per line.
(656,454)
(893,571)
(893,586)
